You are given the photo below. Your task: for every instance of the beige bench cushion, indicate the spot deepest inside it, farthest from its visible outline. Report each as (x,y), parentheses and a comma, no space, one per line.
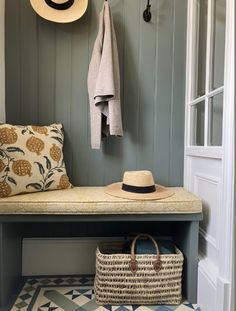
(93,200)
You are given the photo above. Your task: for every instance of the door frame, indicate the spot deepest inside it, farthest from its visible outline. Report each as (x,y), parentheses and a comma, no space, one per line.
(225,287)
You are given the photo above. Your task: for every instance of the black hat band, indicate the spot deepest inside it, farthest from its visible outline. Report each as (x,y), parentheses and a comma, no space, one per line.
(60,6)
(135,189)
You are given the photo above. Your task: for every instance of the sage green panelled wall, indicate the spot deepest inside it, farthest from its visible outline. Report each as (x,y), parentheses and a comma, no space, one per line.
(46,73)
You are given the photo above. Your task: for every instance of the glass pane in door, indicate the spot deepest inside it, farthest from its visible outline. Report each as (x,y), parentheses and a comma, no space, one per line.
(197,124)
(200,66)
(219,44)
(215,120)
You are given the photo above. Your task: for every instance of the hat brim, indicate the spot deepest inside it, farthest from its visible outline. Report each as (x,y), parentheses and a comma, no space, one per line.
(76,11)
(160,193)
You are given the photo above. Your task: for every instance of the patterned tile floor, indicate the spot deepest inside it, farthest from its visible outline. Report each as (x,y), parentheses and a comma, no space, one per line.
(73,294)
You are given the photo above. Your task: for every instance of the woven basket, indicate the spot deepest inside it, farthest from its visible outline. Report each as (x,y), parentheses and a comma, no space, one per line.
(137,279)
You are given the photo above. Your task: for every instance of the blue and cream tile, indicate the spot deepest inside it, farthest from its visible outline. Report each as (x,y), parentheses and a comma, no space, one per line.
(115,308)
(73,294)
(184,308)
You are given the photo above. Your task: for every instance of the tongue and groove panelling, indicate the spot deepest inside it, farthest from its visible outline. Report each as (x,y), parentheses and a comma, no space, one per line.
(46,73)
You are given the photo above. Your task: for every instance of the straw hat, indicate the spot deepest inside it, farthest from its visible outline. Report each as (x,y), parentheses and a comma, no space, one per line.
(138,185)
(60,11)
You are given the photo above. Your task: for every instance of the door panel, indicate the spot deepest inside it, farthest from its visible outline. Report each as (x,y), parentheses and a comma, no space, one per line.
(207,140)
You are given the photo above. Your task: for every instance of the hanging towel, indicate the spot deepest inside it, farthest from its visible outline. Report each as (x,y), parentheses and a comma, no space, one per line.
(104,82)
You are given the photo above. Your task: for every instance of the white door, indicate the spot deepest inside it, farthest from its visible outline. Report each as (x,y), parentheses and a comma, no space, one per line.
(209,143)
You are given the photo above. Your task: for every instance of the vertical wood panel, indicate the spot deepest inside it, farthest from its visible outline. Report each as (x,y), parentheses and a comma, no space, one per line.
(178,94)
(146,90)
(47,67)
(2,62)
(29,64)
(164,84)
(131,83)
(12,58)
(95,157)
(63,86)
(79,105)
(113,148)
(46,81)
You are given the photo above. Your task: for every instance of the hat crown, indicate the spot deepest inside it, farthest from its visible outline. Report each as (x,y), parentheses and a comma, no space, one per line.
(138,178)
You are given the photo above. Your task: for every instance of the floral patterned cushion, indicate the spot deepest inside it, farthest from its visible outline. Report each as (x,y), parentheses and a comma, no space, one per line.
(31,159)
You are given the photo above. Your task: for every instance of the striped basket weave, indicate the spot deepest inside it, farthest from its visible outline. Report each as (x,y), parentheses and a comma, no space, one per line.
(137,279)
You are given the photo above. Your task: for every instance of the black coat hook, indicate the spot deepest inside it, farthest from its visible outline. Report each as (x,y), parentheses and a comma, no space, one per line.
(147,15)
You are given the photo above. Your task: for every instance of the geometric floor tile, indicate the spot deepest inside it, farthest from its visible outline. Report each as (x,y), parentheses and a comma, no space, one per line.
(73,294)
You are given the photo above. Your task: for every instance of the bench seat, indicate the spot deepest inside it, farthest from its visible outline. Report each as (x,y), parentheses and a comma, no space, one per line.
(94,200)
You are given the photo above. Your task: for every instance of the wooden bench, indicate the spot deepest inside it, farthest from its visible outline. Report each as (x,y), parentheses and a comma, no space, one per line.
(88,211)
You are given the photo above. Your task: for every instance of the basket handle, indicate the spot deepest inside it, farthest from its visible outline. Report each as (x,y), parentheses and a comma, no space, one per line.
(133,262)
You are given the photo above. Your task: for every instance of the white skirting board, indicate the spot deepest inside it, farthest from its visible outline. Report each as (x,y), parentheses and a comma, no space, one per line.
(60,256)
(213,291)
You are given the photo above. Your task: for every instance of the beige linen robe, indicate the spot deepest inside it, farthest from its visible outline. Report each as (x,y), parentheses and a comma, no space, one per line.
(104,82)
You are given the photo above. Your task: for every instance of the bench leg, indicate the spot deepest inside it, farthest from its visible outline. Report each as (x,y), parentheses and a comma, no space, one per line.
(10,260)
(187,241)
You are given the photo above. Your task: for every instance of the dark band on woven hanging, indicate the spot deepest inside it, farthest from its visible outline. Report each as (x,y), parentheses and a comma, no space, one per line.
(60,6)
(135,189)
